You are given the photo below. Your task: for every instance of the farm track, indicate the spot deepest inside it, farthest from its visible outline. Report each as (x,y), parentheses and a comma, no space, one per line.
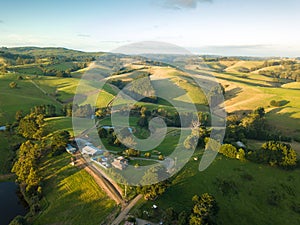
(45,93)
(102,182)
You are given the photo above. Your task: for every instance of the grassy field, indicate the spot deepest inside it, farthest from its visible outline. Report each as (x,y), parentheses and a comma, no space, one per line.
(25,97)
(293,85)
(246,200)
(72,196)
(59,123)
(238,99)
(6,153)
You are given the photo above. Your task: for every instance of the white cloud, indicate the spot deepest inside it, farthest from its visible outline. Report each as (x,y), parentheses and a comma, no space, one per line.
(180,4)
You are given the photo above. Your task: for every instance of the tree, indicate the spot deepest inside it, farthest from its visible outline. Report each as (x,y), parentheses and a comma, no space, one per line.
(67,110)
(183,218)
(260,111)
(18,220)
(59,141)
(169,216)
(241,154)
(229,150)
(132,152)
(275,153)
(102,132)
(33,181)
(191,142)
(13,85)
(30,125)
(151,185)
(19,115)
(147,154)
(204,210)
(143,121)
(161,157)
(25,167)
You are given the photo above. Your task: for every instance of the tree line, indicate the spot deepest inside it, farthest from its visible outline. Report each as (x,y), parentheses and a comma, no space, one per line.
(39,144)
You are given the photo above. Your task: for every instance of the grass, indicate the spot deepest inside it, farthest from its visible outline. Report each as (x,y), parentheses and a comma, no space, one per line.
(141,162)
(285,118)
(72,196)
(4,152)
(59,123)
(293,85)
(65,88)
(25,97)
(246,201)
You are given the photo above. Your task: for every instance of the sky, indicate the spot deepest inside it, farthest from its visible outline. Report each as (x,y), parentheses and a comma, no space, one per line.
(224,27)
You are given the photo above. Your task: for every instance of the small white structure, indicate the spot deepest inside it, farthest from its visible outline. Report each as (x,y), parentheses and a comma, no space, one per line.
(70,149)
(108,127)
(3,128)
(240,144)
(91,151)
(111,127)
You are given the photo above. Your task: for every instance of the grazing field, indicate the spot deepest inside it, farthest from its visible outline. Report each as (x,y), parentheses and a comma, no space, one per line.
(244,192)
(293,85)
(59,123)
(72,196)
(24,97)
(244,95)
(4,153)
(63,88)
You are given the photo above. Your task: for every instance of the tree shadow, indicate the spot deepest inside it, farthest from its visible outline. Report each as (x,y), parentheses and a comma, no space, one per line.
(232,93)
(284,121)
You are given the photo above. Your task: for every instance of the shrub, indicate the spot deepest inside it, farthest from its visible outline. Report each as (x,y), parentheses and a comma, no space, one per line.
(229,151)
(13,85)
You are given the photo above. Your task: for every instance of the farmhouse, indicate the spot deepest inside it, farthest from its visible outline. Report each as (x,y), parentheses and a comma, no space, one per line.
(91,151)
(120,163)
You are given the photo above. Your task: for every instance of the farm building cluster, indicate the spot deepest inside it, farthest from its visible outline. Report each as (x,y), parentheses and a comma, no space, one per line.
(100,157)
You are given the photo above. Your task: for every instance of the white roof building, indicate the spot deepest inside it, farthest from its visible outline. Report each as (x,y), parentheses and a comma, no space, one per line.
(91,150)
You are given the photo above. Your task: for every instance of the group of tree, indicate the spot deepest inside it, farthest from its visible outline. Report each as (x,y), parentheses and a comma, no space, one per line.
(170,217)
(31,126)
(275,153)
(291,72)
(82,111)
(26,167)
(198,137)
(45,110)
(174,119)
(58,141)
(231,151)
(67,110)
(132,152)
(30,154)
(13,85)
(141,89)
(204,210)
(154,182)
(252,126)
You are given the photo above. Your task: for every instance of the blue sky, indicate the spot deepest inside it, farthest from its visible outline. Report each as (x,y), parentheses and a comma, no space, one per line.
(230,27)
